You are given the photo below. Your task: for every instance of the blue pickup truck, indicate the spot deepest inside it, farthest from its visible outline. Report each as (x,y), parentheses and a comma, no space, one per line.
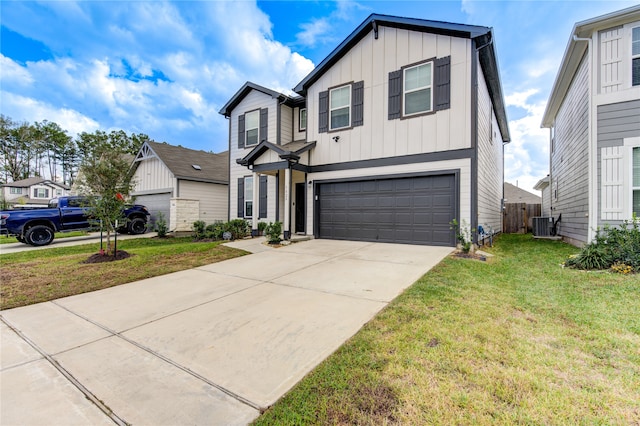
(37,227)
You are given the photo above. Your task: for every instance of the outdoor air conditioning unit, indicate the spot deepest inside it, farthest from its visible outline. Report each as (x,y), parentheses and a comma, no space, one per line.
(542,226)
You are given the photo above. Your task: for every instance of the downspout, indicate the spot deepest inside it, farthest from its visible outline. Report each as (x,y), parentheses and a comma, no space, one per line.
(592,209)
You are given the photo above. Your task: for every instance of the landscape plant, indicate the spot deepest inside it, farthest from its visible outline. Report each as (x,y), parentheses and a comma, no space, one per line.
(161,225)
(273,232)
(237,228)
(463,234)
(615,248)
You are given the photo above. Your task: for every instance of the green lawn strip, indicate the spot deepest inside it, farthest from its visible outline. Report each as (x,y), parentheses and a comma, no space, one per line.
(517,340)
(4,239)
(43,275)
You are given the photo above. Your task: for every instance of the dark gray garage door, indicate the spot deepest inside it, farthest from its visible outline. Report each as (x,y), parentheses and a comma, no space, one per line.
(156,203)
(413,210)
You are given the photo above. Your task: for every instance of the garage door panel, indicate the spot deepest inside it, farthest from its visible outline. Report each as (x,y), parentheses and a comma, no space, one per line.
(414,210)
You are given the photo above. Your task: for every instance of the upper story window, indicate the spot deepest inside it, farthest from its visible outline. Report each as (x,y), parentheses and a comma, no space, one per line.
(340,107)
(420,88)
(15,191)
(302,119)
(40,192)
(635,56)
(252,127)
(417,90)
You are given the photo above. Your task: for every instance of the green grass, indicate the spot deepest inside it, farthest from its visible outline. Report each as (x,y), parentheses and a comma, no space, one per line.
(517,340)
(41,275)
(4,239)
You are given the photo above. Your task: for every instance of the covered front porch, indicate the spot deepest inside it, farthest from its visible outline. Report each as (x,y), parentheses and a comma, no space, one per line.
(288,164)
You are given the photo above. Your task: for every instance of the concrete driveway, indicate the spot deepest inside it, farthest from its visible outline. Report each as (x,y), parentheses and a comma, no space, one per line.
(211,345)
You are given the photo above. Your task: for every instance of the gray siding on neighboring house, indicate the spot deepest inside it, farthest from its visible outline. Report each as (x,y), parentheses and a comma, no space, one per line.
(569,161)
(490,162)
(615,123)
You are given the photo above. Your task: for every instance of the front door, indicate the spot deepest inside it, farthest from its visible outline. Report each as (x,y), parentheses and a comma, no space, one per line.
(300,208)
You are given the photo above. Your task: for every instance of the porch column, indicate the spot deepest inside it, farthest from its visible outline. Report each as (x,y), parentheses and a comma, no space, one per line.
(256,206)
(286,220)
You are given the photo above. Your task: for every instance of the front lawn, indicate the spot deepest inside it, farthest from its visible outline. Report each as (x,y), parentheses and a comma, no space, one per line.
(517,340)
(42,275)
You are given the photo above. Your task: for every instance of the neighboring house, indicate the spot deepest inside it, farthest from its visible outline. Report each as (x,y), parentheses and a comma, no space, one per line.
(514,194)
(544,186)
(594,116)
(397,132)
(183,184)
(33,192)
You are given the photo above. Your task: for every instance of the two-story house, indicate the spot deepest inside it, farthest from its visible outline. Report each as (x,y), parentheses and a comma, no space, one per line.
(593,115)
(32,192)
(396,133)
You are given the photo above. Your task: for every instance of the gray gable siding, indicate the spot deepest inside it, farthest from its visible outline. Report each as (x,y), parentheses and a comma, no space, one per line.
(569,161)
(615,123)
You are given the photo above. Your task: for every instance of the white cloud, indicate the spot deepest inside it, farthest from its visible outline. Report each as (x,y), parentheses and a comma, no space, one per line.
(31,110)
(312,32)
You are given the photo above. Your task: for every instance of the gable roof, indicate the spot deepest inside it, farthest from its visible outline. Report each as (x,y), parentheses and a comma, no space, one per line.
(290,151)
(483,36)
(248,87)
(214,168)
(25,183)
(575,50)
(513,194)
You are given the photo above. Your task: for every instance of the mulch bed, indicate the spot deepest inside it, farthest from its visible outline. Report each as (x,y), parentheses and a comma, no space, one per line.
(101,258)
(470,255)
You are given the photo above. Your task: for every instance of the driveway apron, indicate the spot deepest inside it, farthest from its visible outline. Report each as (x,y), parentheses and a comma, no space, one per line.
(211,345)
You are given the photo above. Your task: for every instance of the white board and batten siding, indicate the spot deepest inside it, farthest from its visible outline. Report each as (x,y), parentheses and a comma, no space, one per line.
(152,175)
(252,101)
(371,61)
(570,159)
(490,161)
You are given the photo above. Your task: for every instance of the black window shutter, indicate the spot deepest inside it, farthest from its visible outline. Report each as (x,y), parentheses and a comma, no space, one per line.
(395,94)
(323,112)
(241,131)
(442,79)
(264,124)
(262,209)
(240,197)
(357,101)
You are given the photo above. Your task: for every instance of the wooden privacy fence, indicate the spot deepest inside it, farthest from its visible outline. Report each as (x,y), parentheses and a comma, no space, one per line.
(517,217)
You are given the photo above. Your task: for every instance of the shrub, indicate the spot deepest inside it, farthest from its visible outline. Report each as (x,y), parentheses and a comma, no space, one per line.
(239,228)
(261,227)
(161,225)
(463,234)
(273,231)
(611,246)
(199,229)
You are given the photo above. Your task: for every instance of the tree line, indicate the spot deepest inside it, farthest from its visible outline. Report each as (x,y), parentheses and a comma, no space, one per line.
(45,149)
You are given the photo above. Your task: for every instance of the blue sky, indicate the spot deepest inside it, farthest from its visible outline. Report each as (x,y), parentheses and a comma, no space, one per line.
(167,68)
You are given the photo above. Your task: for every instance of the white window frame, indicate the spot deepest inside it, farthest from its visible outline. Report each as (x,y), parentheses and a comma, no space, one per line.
(247,128)
(629,144)
(15,191)
(406,92)
(301,113)
(37,192)
(637,55)
(348,107)
(248,196)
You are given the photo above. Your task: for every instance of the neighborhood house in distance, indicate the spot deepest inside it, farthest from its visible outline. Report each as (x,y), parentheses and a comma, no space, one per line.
(593,115)
(33,192)
(185,185)
(398,131)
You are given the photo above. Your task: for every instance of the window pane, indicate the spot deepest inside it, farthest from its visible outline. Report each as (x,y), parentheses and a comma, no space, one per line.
(636,202)
(340,118)
(340,97)
(635,49)
(636,168)
(635,72)
(303,119)
(417,77)
(418,101)
(248,208)
(252,120)
(248,188)
(252,137)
